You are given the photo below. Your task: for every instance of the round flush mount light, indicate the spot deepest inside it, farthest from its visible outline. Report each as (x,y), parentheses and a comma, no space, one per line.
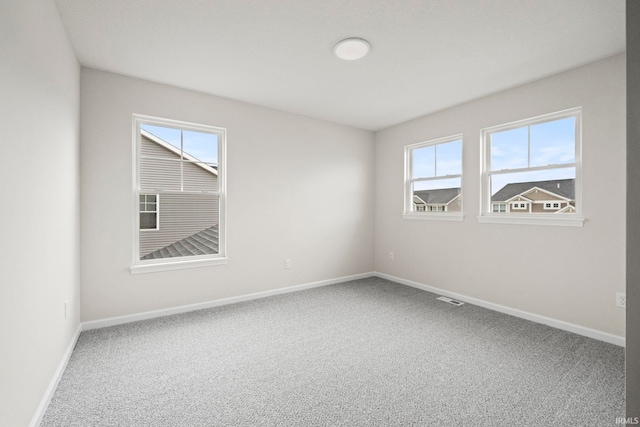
(352,48)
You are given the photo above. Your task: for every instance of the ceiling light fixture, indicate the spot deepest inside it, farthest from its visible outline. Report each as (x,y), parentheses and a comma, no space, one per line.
(352,48)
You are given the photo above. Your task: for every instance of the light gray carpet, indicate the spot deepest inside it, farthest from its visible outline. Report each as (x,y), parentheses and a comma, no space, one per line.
(363,353)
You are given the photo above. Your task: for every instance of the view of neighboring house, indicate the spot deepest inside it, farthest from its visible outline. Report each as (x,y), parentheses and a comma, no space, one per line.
(553,196)
(178,217)
(440,200)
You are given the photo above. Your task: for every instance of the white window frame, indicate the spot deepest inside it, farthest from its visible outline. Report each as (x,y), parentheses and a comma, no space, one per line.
(551,208)
(157,211)
(444,215)
(148,266)
(487,216)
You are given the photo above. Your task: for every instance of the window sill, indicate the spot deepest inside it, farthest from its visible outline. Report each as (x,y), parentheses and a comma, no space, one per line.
(522,219)
(177,265)
(434,216)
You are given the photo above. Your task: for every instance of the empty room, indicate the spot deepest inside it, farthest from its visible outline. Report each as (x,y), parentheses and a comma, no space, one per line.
(320,213)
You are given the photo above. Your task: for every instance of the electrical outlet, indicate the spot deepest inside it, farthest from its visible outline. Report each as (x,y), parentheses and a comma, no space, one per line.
(621,299)
(391,256)
(287,263)
(66,309)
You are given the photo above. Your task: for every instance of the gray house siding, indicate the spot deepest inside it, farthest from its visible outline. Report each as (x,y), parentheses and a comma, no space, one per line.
(165,174)
(180,214)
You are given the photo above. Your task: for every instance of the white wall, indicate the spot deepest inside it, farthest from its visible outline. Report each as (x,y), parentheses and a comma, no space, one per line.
(298,188)
(39,83)
(568,274)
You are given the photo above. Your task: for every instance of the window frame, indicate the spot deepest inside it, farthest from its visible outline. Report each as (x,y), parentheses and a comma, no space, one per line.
(531,218)
(148,266)
(427,214)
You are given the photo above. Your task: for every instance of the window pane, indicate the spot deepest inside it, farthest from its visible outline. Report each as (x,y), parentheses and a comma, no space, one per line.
(182,162)
(159,174)
(147,221)
(539,187)
(188,227)
(509,149)
(201,146)
(553,143)
(437,183)
(423,162)
(200,177)
(168,135)
(449,158)
(440,195)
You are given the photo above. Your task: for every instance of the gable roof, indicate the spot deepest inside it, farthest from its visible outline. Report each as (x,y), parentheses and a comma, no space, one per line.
(568,208)
(439,196)
(562,187)
(204,242)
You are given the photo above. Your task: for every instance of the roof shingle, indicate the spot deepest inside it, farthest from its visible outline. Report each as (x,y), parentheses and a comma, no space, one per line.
(204,242)
(439,196)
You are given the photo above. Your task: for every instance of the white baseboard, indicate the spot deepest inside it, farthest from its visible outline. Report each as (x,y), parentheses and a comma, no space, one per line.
(558,324)
(554,323)
(112,321)
(53,385)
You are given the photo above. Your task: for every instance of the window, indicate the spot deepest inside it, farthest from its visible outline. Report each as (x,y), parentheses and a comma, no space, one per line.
(433,179)
(552,205)
(533,167)
(149,211)
(182,165)
(499,207)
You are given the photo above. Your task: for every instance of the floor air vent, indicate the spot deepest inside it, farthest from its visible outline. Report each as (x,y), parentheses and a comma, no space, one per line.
(450,301)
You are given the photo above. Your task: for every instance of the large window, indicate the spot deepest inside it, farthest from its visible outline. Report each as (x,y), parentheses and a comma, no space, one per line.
(433,179)
(531,170)
(181,165)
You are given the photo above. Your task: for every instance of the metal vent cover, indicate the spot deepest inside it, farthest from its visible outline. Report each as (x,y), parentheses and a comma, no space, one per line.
(450,300)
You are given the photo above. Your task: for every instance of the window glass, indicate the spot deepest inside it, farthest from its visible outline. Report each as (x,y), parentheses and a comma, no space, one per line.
(534,164)
(509,149)
(434,176)
(424,162)
(180,166)
(553,143)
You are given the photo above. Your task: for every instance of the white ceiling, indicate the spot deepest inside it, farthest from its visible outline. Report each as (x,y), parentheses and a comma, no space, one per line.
(426,55)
